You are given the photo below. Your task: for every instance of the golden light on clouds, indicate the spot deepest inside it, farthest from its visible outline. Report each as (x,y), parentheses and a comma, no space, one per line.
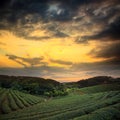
(5,62)
(64,49)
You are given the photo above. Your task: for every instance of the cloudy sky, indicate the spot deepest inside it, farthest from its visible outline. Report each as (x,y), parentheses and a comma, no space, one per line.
(66,40)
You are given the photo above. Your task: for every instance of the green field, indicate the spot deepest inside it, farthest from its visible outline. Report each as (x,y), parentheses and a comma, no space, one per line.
(98,88)
(100,102)
(12,100)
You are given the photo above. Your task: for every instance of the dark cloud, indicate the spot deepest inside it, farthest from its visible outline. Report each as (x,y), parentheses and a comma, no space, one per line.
(4,3)
(39,71)
(60,34)
(34,61)
(18,16)
(12,10)
(31,61)
(81,40)
(14,58)
(35,37)
(110,32)
(61,62)
(67,8)
(76,71)
(106,65)
(107,51)
(54,29)
(111,54)
(105,10)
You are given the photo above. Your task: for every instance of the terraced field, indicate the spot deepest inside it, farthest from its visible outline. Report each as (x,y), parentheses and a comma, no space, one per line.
(12,100)
(93,106)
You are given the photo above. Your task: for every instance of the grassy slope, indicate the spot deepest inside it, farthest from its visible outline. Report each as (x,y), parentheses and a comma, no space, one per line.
(98,88)
(12,100)
(103,105)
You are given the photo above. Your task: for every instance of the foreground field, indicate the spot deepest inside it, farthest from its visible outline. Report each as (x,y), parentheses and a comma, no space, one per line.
(103,105)
(12,100)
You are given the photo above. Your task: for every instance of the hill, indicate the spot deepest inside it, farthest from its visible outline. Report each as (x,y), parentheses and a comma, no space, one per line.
(102,105)
(33,85)
(97,89)
(95,98)
(49,87)
(98,80)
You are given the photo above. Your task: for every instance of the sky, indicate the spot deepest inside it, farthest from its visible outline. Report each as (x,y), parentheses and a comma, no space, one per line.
(65,40)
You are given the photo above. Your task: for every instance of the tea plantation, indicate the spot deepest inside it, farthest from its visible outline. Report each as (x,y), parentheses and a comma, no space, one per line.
(100,102)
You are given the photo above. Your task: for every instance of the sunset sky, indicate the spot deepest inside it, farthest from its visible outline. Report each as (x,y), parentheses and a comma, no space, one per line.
(65,40)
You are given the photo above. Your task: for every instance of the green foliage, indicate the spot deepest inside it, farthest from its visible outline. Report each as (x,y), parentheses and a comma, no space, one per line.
(94,106)
(97,88)
(108,113)
(5,107)
(33,85)
(101,102)
(11,100)
(56,92)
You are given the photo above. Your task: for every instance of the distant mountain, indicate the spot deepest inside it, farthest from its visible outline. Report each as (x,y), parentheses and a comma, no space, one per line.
(99,80)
